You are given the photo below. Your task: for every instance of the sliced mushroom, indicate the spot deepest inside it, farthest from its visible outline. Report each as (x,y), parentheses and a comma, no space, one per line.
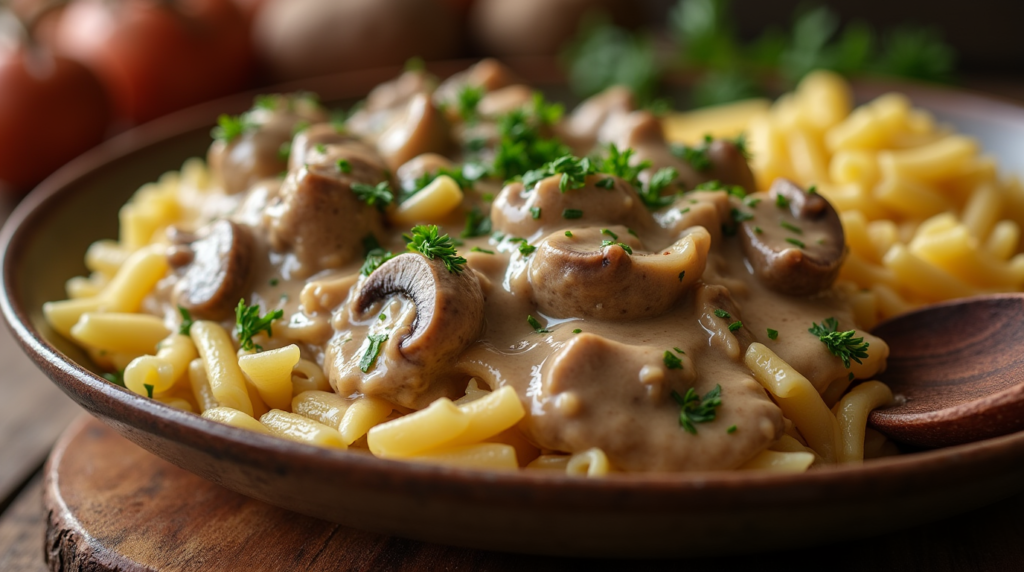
(216,277)
(708,209)
(320,219)
(589,274)
(311,140)
(523,212)
(419,129)
(728,166)
(582,126)
(261,150)
(795,243)
(717,312)
(415,363)
(386,102)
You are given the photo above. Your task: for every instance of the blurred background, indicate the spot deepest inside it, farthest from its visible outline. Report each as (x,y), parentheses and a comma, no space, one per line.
(74,72)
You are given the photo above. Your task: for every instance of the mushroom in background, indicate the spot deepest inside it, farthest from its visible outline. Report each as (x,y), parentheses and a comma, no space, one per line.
(534,27)
(305,38)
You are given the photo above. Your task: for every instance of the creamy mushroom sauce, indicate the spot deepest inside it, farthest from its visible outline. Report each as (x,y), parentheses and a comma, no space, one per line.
(608,385)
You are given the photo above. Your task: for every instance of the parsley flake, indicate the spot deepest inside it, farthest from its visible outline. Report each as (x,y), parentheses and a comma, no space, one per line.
(735,326)
(186,322)
(671,361)
(722,313)
(536,325)
(248,323)
(477,224)
(374,259)
(344,166)
(842,344)
(696,409)
(796,242)
(379,196)
(535,212)
(572,213)
(478,249)
(425,240)
(773,334)
(791,227)
(372,351)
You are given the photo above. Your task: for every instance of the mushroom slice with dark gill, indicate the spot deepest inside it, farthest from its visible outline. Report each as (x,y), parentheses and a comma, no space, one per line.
(793,239)
(592,273)
(218,272)
(415,363)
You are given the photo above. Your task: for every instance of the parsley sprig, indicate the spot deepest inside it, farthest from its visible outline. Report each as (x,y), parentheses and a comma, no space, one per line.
(468,98)
(374,259)
(186,321)
(617,163)
(372,351)
(842,344)
(651,195)
(425,239)
(574,172)
(248,323)
(477,224)
(231,127)
(521,146)
(697,409)
(378,195)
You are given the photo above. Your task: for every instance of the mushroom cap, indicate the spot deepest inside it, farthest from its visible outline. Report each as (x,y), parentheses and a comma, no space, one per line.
(415,364)
(578,277)
(419,128)
(797,262)
(220,269)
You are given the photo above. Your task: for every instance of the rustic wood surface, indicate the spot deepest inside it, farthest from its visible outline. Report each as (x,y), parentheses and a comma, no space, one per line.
(114,506)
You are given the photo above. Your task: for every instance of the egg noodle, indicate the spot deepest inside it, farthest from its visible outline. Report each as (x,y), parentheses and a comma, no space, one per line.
(926,218)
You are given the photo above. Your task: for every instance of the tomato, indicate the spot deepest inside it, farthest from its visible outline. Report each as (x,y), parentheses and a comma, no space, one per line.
(51,110)
(158,56)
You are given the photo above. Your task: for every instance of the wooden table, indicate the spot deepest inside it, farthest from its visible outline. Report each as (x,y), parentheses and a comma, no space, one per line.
(33,413)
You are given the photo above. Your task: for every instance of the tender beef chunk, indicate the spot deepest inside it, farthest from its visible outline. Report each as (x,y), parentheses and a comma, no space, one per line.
(418,128)
(580,130)
(261,151)
(794,240)
(318,217)
(217,273)
(386,101)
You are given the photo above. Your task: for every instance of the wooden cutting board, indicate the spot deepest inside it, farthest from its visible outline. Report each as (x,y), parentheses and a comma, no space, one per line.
(113,506)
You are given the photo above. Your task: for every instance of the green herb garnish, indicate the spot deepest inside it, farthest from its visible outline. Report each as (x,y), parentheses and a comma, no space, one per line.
(722,313)
(651,196)
(842,344)
(731,429)
(606,183)
(696,409)
(379,196)
(425,240)
(374,259)
(572,213)
(697,157)
(344,166)
(626,247)
(230,127)
(781,201)
(609,233)
(574,172)
(735,326)
(248,323)
(618,163)
(186,322)
(773,334)
(796,242)
(791,227)
(477,224)
(671,361)
(478,249)
(372,351)
(577,331)
(568,233)
(117,378)
(535,212)
(536,325)
(468,98)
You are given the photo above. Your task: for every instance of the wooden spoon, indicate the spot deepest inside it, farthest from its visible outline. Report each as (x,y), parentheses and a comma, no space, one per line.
(960,367)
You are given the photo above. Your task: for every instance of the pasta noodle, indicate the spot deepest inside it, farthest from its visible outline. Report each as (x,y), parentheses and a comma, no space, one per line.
(221,366)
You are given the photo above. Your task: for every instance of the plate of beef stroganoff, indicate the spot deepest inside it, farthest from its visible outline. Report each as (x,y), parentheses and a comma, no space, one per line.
(466,314)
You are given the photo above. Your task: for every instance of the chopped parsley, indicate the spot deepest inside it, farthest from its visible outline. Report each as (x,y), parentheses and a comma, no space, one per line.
(751,201)
(696,409)
(679,351)
(633,232)
(525,248)
(722,313)
(574,172)
(468,98)
(606,183)
(535,212)
(477,224)
(796,242)
(149,390)
(536,325)
(248,323)
(577,331)
(425,240)
(478,249)
(791,227)
(731,429)
(781,201)
(370,243)
(374,259)
(186,322)
(382,317)
(568,233)
(572,213)
(623,246)
(609,233)
(740,216)
(344,166)
(671,361)
(758,230)
(773,334)
(735,326)
(651,196)
(284,151)
(716,185)
(379,196)
(618,163)
(231,127)
(697,156)
(812,190)
(842,344)
(372,351)
(520,146)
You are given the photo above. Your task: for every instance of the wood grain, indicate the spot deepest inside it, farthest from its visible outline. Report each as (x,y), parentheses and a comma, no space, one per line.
(22,528)
(33,411)
(113,506)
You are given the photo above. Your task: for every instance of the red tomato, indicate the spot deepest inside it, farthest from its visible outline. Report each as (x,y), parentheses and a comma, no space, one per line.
(159,56)
(51,110)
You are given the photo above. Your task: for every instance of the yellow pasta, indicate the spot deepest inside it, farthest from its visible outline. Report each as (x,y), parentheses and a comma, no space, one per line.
(852,414)
(235,418)
(271,373)
(201,385)
(490,415)
(176,402)
(307,376)
(930,162)
(490,456)
(798,400)
(590,463)
(118,332)
(64,314)
(418,432)
(221,364)
(135,279)
(778,461)
(298,428)
(550,463)
(363,414)
(105,256)
(323,407)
